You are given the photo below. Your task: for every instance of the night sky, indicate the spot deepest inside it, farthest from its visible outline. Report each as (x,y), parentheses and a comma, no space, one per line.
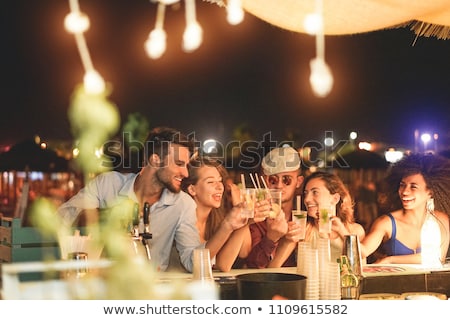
(253,74)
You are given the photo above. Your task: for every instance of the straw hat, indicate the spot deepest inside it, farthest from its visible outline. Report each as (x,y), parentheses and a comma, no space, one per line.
(280,160)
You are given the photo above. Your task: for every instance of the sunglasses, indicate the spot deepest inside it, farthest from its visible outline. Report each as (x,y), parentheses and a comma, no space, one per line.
(274,180)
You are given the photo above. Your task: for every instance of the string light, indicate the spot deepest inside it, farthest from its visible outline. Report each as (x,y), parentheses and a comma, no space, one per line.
(235,13)
(193,34)
(157,40)
(321,78)
(156,43)
(77,22)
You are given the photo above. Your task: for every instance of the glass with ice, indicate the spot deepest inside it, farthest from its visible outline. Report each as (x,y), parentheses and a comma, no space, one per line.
(325,214)
(248,199)
(299,217)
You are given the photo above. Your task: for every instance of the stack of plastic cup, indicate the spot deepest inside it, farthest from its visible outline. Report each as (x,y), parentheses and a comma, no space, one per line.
(332,289)
(323,248)
(308,265)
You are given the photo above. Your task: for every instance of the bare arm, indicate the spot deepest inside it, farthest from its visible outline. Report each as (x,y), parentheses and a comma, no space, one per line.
(284,250)
(238,244)
(403,259)
(375,236)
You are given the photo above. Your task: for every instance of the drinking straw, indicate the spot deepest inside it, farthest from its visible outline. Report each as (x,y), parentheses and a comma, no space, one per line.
(253,181)
(243,181)
(298,203)
(264,182)
(257,181)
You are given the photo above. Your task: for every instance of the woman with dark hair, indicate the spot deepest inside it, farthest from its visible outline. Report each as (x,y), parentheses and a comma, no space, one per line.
(219,221)
(418,188)
(324,189)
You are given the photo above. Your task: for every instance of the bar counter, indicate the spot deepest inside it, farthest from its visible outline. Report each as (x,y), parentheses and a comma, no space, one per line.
(392,278)
(377,279)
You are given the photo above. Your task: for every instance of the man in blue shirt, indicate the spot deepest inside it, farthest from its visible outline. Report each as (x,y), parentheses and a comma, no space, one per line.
(172,212)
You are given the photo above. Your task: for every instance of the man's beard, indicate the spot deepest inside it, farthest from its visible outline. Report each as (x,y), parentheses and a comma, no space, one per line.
(166,181)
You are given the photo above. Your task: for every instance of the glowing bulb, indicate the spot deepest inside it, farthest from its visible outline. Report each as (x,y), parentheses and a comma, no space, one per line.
(155,45)
(192,37)
(93,82)
(76,22)
(235,13)
(321,78)
(313,23)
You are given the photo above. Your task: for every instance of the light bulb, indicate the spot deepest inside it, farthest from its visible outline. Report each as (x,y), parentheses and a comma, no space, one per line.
(321,78)
(76,22)
(155,45)
(313,23)
(93,82)
(235,13)
(192,36)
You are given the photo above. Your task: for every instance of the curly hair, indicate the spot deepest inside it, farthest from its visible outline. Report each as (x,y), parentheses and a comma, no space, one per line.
(435,170)
(334,184)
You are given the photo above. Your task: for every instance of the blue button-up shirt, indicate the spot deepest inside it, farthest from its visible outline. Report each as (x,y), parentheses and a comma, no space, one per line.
(172,217)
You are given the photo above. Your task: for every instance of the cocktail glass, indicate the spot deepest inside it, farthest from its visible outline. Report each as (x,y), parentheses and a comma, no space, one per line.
(248,199)
(299,217)
(325,214)
(275,201)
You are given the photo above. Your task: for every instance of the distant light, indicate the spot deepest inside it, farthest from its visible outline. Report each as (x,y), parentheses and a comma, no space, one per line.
(210,146)
(392,155)
(353,135)
(425,137)
(43,145)
(365,146)
(98,152)
(328,141)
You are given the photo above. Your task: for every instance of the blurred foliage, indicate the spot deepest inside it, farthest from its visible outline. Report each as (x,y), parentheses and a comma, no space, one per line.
(94,119)
(135,129)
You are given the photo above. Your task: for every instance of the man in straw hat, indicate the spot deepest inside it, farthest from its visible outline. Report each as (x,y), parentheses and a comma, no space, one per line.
(281,171)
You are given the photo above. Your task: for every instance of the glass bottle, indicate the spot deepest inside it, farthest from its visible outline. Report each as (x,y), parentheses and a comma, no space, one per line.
(349,281)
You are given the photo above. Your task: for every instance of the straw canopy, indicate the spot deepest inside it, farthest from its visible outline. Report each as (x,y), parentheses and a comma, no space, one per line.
(425,18)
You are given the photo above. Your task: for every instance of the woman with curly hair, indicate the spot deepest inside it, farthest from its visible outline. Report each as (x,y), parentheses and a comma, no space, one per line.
(418,186)
(324,189)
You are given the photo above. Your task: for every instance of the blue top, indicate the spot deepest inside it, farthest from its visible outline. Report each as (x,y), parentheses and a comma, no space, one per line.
(393,247)
(172,217)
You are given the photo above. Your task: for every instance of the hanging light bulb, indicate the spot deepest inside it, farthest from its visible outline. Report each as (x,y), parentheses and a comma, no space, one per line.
(76,22)
(192,37)
(321,78)
(193,34)
(155,45)
(235,13)
(93,82)
(313,23)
